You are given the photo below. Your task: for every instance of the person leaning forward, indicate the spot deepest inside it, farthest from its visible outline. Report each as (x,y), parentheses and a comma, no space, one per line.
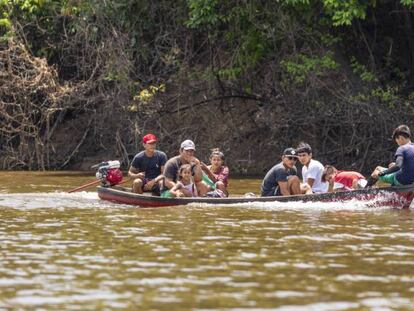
(146,167)
(342,180)
(282,178)
(400,172)
(171,169)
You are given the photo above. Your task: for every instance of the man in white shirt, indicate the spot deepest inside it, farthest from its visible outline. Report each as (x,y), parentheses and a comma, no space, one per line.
(312,170)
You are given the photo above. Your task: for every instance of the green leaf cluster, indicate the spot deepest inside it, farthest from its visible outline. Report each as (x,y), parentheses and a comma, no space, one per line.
(408,3)
(362,71)
(202,13)
(301,66)
(343,12)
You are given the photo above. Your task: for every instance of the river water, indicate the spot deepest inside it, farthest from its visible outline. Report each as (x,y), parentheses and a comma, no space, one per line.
(62,251)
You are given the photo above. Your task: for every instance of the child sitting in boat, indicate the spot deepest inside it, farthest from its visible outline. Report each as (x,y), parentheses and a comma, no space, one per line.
(217,172)
(185,185)
(342,180)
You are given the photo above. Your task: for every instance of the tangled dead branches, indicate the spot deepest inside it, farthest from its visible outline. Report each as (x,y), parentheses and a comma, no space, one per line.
(30,98)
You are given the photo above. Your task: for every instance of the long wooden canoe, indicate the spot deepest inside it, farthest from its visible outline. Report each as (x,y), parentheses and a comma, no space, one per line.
(397,197)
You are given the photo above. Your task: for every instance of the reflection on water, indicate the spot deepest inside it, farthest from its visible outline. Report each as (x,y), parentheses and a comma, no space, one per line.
(72,251)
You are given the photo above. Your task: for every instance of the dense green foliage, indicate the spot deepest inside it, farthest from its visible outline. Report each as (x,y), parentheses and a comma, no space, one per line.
(337,73)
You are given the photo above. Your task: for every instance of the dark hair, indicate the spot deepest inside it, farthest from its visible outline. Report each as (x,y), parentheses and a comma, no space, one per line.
(402,130)
(182,168)
(304,147)
(329,169)
(217,152)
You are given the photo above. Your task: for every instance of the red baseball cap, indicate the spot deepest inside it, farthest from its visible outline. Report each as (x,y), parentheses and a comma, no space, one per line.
(149,138)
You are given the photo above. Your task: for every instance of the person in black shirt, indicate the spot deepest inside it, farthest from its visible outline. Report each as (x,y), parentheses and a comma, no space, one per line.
(281,179)
(146,167)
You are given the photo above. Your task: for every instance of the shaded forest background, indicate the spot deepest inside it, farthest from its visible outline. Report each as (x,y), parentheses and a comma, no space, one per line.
(82,81)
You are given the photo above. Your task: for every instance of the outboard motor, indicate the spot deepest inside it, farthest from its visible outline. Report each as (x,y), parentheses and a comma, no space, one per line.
(109,173)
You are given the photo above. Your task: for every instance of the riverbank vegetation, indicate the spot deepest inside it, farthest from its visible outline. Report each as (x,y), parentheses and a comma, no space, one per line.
(83,80)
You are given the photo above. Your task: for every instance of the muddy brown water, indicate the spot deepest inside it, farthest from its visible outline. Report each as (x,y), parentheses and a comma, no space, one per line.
(63,251)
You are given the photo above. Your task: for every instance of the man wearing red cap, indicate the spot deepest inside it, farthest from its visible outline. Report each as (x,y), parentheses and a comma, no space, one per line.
(146,167)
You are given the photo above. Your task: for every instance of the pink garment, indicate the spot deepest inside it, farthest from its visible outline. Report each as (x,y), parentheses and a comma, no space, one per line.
(222,175)
(190,187)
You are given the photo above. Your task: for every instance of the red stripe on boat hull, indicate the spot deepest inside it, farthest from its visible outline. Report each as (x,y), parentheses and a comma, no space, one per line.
(398,197)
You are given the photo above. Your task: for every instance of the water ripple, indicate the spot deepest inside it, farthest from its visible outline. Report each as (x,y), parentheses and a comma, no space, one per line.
(72,251)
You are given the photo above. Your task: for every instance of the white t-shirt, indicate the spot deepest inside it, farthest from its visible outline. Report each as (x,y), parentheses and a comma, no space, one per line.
(314,171)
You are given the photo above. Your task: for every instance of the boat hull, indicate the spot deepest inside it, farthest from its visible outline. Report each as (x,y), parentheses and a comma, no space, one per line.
(397,197)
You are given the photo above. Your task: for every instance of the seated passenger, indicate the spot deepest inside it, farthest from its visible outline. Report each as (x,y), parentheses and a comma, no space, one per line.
(172,167)
(402,171)
(281,179)
(146,167)
(185,185)
(342,180)
(312,170)
(217,172)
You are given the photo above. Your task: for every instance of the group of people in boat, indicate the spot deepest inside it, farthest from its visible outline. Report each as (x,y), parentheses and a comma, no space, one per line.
(186,176)
(282,179)
(181,176)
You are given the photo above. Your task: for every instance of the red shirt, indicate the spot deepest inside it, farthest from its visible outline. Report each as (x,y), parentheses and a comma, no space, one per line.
(222,175)
(347,177)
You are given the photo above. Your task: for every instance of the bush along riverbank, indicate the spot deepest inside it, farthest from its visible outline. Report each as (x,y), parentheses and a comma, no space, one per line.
(82,81)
